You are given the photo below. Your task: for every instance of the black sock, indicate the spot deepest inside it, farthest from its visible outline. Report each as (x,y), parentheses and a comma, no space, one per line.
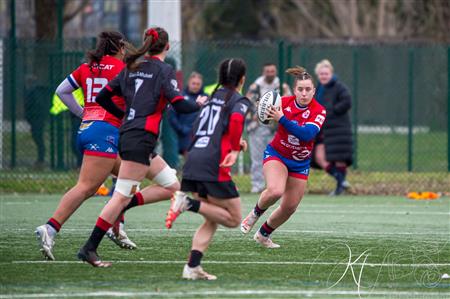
(266,229)
(195,258)
(258,211)
(194,205)
(97,234)
(136,200)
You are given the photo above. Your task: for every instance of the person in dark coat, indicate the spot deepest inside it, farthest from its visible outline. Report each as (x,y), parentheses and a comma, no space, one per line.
(334,144)
(183,123)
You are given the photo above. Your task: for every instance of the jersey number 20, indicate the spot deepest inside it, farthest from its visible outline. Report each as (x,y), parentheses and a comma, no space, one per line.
(209,117)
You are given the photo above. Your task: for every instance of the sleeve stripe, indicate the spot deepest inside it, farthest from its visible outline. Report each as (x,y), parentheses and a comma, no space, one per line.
(73,82)
(108,88)
(176,99)
(311,123)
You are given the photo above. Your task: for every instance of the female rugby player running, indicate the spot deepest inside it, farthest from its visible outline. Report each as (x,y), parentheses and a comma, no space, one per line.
(215,148)
(98,139)
(147,88)
(287,157)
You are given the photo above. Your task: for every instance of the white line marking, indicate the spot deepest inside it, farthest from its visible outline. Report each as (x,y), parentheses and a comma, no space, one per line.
(221,293)
(281,231)
(244,263)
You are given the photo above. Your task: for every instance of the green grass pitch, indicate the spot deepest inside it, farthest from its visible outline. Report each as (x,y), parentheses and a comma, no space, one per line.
(395,248)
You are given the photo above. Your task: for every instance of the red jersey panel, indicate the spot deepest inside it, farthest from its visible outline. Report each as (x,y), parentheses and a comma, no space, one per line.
(92,81)
(287,144)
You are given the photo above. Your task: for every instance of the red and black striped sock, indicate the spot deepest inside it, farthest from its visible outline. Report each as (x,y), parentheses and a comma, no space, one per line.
(136,200)
(54,223)
(100,229)
(195,258)
(266,229)
(258,211)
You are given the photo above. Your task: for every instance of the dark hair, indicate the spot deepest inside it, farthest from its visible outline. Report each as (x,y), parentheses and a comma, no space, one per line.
(269,64)
(108,43)
(231,72)
(155,41)
(299,73)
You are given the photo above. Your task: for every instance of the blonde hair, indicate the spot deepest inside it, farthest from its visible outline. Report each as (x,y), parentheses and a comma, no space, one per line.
(195,75)
(323,63)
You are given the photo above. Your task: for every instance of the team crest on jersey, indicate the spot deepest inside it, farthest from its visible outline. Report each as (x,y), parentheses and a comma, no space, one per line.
(306,114)
(293,140)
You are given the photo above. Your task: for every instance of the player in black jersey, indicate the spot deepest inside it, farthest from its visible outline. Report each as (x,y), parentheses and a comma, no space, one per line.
(147,87)
(207,171)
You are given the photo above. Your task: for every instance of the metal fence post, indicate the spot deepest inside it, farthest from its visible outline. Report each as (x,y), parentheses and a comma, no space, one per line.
(12,63)
(410,107)
(355,106)
(281,63)
(289,64)
(60,129)
(448,109)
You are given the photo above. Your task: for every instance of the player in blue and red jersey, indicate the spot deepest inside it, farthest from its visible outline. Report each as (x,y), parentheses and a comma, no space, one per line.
(98,138)
(287,158)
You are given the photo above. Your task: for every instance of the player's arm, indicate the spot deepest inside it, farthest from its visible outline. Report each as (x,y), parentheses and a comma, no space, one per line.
(305,132)
(65,93)
(104,97)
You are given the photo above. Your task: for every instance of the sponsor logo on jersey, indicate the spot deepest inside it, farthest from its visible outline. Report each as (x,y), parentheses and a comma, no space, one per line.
(301,155)
(293,140)
(244,108)
(288,109)
(141,74)
(174,84)
(320,119)
(324,111)
(306,114)
(102,66)
(109,150)
(202,142)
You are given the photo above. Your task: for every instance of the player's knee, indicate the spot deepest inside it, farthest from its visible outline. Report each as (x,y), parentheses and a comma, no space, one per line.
(87,190)
(167,178)
(127,187)
(234,220)
(274,192)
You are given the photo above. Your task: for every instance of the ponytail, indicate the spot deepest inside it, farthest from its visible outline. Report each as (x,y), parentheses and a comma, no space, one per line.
(155,42)
(299,73)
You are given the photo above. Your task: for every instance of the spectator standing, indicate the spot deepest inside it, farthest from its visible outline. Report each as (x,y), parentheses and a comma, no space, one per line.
(334,144)
(182,123)
(260,135)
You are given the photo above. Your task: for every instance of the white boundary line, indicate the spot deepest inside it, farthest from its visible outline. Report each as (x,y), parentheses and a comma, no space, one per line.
(306,293)
(243,263)
(281,231)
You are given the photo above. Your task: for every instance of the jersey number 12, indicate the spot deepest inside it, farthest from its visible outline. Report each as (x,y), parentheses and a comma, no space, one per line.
(94,85)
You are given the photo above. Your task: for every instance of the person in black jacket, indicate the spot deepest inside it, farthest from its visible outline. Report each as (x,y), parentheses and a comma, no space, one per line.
(183,123)
(334,144)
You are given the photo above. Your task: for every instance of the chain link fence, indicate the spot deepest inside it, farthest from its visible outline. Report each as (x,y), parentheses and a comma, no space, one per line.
(399,112)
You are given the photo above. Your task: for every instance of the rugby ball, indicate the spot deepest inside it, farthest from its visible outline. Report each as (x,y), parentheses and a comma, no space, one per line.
(270,98)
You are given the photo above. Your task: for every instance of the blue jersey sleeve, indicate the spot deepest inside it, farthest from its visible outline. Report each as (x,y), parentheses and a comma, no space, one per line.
(304,133)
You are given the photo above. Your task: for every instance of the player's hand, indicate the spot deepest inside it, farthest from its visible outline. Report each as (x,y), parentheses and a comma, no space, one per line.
(201,100)
(275,113)
(244,145)
(230,159)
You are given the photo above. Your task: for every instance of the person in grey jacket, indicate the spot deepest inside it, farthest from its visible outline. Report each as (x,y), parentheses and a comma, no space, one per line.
(334,144)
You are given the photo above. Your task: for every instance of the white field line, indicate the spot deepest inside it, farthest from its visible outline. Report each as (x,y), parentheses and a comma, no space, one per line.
(281,231)
(236,293)
(164,262)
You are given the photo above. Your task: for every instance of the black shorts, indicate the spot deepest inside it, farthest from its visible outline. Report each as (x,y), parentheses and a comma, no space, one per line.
(137,146)
(222,190)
